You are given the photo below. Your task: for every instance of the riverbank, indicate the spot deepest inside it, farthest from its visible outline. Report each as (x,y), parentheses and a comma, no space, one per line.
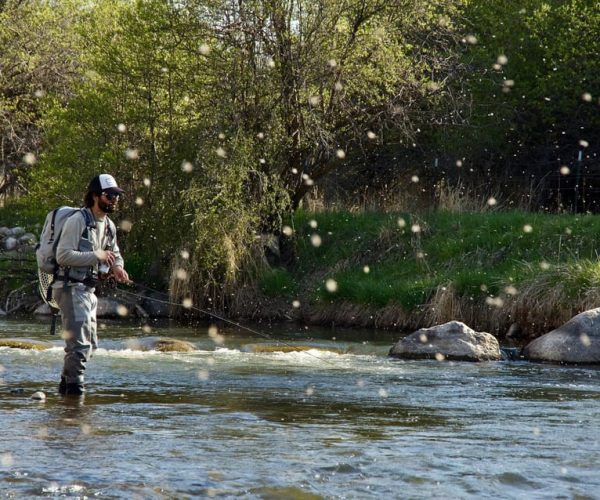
(514,274)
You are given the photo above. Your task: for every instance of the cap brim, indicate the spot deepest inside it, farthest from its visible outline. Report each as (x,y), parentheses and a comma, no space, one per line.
(116,190)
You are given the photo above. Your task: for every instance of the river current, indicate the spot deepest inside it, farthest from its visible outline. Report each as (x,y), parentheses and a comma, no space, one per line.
(237,419)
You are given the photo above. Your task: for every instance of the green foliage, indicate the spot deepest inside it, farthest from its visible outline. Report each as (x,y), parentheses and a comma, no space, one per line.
(277,282)
(224,216)
(23,214)
(258,100)
(38,62)
(532,64)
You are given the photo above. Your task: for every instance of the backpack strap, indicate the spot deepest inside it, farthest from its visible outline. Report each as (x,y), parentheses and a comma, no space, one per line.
(52,224)
(109,233)
(89,221)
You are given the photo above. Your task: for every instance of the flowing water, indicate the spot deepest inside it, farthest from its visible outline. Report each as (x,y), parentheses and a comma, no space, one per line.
(341,420)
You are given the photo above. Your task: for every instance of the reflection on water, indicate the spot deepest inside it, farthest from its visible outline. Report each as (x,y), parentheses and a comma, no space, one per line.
(339,420)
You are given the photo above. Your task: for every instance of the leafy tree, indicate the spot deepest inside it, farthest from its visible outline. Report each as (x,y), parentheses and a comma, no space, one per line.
(534,85)
(133,114)
(315,77)
(304,85)
(38,61)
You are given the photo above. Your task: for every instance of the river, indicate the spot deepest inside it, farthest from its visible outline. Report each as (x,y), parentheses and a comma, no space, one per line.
(340,420)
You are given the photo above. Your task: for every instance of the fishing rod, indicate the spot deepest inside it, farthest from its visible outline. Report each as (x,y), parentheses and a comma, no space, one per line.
(214,315)
(45,280)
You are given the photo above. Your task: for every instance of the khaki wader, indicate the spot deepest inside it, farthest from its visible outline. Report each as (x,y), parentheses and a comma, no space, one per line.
(78,305)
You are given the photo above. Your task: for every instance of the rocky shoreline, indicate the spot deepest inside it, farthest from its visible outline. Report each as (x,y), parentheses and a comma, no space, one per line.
(16,239)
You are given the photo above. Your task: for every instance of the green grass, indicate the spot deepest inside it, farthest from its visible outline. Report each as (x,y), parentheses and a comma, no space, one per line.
(478,254)
(277,282)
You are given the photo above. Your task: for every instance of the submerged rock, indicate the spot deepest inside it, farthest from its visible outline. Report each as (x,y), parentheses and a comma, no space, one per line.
(453,340)
(35,345)
(268,348)
(162,344)
(577,341)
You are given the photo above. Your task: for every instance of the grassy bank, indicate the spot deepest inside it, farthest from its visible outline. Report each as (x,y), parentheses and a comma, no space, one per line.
(491,270)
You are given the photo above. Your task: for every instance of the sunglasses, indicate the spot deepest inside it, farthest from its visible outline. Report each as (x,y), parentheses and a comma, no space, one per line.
(111,196)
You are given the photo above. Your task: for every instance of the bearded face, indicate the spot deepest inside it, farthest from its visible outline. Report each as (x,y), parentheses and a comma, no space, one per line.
(107,206)
(107,202)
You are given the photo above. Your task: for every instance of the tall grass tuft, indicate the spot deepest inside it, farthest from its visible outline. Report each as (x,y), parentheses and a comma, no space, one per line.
(457,198)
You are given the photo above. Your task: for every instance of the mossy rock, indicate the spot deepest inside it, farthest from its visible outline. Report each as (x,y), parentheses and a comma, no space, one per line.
(161,344)
(34,345)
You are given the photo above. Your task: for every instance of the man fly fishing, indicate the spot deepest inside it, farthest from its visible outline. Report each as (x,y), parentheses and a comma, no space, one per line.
(86,252)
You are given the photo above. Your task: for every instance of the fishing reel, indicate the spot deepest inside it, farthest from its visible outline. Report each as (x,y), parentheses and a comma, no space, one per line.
(106,278)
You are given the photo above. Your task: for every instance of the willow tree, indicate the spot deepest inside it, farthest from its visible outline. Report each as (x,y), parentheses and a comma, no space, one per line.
(314,81)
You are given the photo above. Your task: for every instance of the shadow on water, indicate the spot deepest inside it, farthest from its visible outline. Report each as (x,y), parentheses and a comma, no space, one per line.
(367,418)
(558,394)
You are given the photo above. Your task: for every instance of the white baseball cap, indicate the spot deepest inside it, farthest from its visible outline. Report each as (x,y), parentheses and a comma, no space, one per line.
(104,183)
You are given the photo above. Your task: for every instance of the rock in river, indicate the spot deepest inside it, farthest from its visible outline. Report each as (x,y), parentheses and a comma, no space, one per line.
(453,340)
(163,344)
(577,341)
(35,345)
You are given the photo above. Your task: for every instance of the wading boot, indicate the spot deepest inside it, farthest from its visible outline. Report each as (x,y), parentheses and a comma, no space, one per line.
(73,389)
(62,387)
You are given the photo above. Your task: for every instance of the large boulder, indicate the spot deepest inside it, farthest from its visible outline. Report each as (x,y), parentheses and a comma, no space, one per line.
(17,231)
(577,341)
(453,340)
